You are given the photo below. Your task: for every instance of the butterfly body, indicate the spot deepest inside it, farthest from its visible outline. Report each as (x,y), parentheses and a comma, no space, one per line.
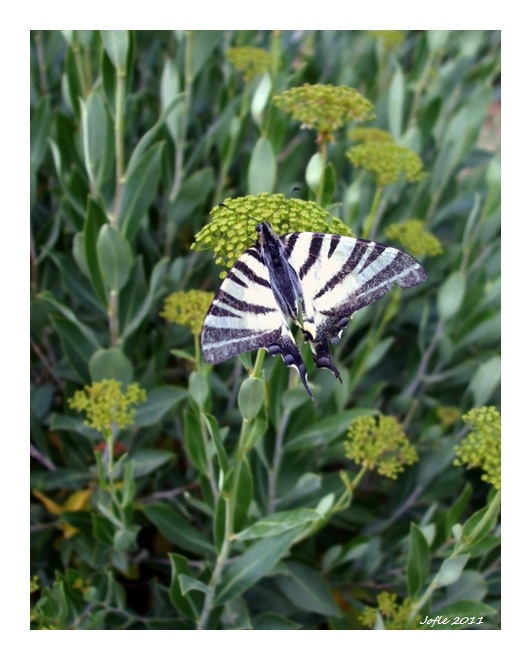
(318,281)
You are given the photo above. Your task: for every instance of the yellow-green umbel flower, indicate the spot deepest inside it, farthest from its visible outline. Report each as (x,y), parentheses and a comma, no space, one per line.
(389,38)
(232,229)
(366,134)
(387,161)
(396,617)
(379,443)
(187,308)
(325,107)
(482,447)
(105,403)
(252,61)
(415,238)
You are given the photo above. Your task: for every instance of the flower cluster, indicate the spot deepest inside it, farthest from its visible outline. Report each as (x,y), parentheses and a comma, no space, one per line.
(389,38)
(387,161)
(379,443)
(366,134)
(187,308)
(325,107)
(448,415)
(105,403)
(252,61)
(396,617)
(232,229)
(482,447)
(415,238)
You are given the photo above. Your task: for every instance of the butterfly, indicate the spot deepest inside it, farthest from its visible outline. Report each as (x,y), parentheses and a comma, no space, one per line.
(316,280)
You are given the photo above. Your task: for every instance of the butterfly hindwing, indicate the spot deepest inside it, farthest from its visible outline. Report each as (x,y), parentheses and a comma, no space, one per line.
(245,316)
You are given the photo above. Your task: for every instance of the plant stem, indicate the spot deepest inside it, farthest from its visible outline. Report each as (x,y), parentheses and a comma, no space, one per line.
(241,452)
(369,226)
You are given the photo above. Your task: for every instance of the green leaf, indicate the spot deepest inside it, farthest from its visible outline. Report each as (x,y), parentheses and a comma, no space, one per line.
(186,604)
(114,257)
(140,187)
(278,523)
(116,44)
(314,172)
(194,443)
(472,585)
(450,295)
(262,168)
(450,570)
(213,430)
(418,561)
(329,185)
(110,363)
(129,483)
(480,524)
(95,219)
(254,564)
(136,317)
(98,141)
(160,402)
(149,136)
(485,381)
(189,583)
(251,397)
(261,98)
(77,348)
(40,129)
(198,387)
(176,529)
(149,460)
(169,89)
(68,314)
(397,94)
(307,589)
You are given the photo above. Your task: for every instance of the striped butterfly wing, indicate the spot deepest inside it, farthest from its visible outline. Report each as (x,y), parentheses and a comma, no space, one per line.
(245,316)
(339,275)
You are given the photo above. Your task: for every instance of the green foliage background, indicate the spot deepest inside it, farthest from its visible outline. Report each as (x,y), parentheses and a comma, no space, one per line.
(135,137)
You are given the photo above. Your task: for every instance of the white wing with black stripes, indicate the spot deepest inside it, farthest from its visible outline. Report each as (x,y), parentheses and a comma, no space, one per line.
(315,280)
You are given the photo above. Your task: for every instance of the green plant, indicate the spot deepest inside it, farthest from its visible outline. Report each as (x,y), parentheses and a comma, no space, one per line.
(226,499)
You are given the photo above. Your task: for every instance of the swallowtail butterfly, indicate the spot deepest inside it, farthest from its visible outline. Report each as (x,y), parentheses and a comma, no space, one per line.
(316,280)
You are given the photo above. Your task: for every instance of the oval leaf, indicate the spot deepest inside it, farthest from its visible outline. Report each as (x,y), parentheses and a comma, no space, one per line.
(451,295)
(114,257)
(110,363)
(262,168)
(278,523)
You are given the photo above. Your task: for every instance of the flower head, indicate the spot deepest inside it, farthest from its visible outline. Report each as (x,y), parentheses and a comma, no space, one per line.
(366,134)
(387,161)
(396,617)
(187,308)
(105,403)
(414,237)
(325,107)
(379,443)
(482,447)
(252,61)
(232,229)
